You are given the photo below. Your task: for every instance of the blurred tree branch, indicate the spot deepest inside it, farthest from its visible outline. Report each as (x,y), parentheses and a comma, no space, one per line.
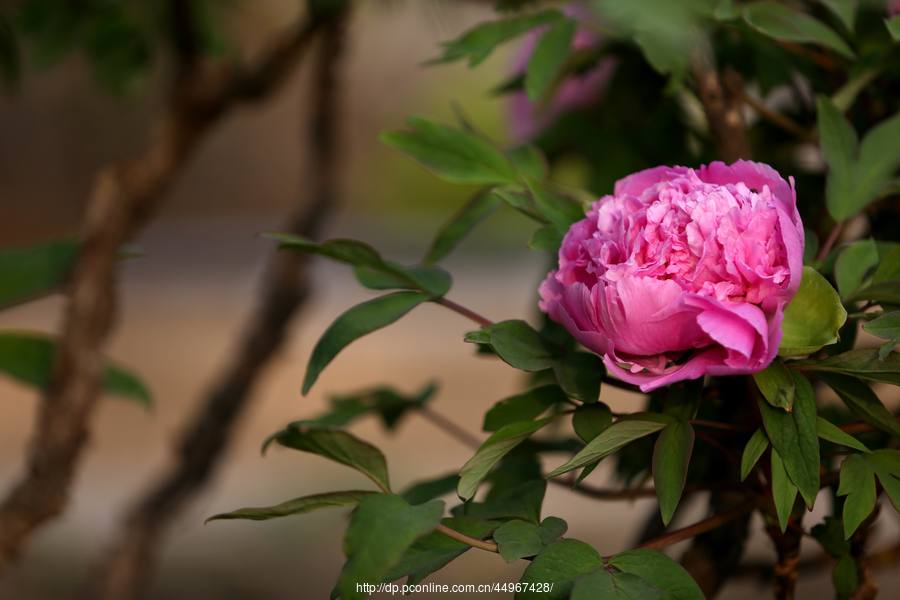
(286,286)
(124,197)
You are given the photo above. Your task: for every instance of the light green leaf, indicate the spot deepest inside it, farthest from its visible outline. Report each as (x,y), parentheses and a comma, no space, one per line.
(754,449)
(795,438)
(519,345)
(852,265)
(529,161)
(862,401)
(547,59)
(517,539)
(28,273)
(777,385)
(560,564)
(813,318)
(671,458)
(386,402)
(546,238)
(523,407)
(454,155)
(383,527)
(498,445)
(784,492)
(612,439)
(887,326)
(590,420)
(784,23)
(615,586)
(832,433)
(355,323)
(839,149)
(893,27)
(858,485)
(297,506)
(661,571)
(460,224)
(338,446)
(580,374)
(29,358)
(845,10)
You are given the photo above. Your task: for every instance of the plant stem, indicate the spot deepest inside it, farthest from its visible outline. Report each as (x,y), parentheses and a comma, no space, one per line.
(707,524)
(829,243)
(469,314)
(468,540)
(718,425)
(451,428)
(775,117)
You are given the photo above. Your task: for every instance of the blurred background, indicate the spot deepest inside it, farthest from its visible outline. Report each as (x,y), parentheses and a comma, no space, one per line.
(186,297)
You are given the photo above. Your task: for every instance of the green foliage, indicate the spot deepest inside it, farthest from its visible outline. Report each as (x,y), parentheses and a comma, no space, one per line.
(813,317)
(862,401)
(615,586)
(562,564)
(753,451)
(580,375)
(382,529)
(523,407)
(858,485)
(471,214)
(518,539)
(659,570)
(845,575)
(782,22)
(423,491)
(784,491)
(671,458)
(547,60)
(886,326)
(590,420)
(777,385)
(616,436)
(893,27)
(830,432)
(297,506)
(517,343)
(29,273)
(29,359)
(852,265)
(390,405)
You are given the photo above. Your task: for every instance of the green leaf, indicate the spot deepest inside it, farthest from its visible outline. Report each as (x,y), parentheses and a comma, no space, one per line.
(556,208)
(777,385)
(858,485)
(661,571)
(358,321)
(886,464)
(529,161)
(434,551)
(795,438)
(460,225)
(371,269)
(863,363)
(590,420)
(782,22)
(454,155)
(491,451)
(671,458)
(338,446)
(522,501)
(519,345)
(28,273)
(523,407)
(889,267)
(887,326)
(845,576)
(832,433)
(612,439)
(479,42)
(547,59)
(383,527)
(879,158)
(845,10)
(893,27)
(862,401)
(813,318)
(885,292)
(580,374)
(830,535)
(784,492)
(518,539)
(753,451)
(559,564)
(429,489)
(29,359)
(386,402)
(839,148)
(547,238)
(615,586)
(297,506)
(852,265)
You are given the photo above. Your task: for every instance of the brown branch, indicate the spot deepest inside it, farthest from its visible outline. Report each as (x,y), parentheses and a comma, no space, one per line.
(707,524)
(780,120)
(462,310)
(285,288)
(787,550)
(124,197)
(722,100)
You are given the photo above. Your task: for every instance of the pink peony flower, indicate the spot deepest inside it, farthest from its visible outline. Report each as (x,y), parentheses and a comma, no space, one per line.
(681,272)
(528,119)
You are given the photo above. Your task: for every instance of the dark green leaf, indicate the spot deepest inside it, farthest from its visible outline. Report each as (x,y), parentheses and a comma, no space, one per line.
(886,464)
(389,404)
(893,27)
(523,407)
(777,385)
(547,238)
(423,491)
(858,485)
(297,506)
(519,345)
(813,318)
(590,420)
(784,492)
(615,586)
(491,451)
(434,280)
(839,149)
(830,432)
(845,576)
(479,42)
(28,273)
(522,501)
(671,458)
(547,59)
(830,535)
(517,539)
(454,155)
(580,374)
(556,208)
(29,357)
(460,224)
(794,436)
(560,564)
(862,401)
(885,292)
(753,451)
(616,436)
(887,326)
(879,158)
(784,23)
(852,265)
(659,570)
(383,527)
(360,320)
(845,10)
(338,446)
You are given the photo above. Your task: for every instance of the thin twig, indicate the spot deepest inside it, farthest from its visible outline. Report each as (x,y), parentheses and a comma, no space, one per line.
(465,539)
(707,524)
(779,119)
(833,236)
(468,313)
(451,428)
(123,199)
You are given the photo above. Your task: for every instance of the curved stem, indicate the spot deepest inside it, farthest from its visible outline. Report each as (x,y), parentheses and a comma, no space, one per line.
(830,241)
(707,524)
(467,313)
(467,540)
